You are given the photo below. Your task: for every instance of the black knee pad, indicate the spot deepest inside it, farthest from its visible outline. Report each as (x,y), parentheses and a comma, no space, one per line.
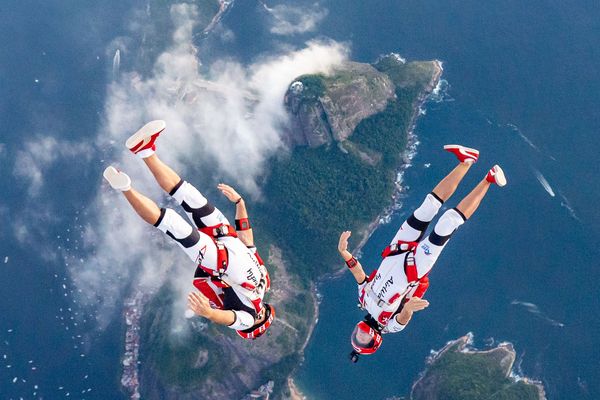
(188,241)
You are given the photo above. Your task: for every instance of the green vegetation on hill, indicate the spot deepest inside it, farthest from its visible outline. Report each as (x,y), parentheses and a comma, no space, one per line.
(319,192)
(313,87)
(413,74)
(311,194)
(457,375)
(174,356)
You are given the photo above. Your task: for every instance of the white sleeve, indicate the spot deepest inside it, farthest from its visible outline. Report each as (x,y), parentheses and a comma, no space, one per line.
(394,326)
(243,320)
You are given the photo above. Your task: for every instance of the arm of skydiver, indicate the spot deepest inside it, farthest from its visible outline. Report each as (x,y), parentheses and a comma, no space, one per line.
(234,319)
(353,264)
(200,305)
(243,228)
(413,305)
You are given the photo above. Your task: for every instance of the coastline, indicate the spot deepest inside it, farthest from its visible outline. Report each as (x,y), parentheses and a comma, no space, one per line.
(464,345)
(407,157)
(295,393)
(367,232)
(224,6)
(314,296)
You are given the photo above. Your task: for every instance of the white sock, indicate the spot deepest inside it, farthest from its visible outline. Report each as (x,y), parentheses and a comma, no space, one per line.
(126,188)
(145,153)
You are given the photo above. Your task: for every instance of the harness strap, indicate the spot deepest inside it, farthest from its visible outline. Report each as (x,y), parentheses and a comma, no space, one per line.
(258,258)
(257,305)
(423,285)
(384,317)
(219,231)
(268,278)
(370,278)
(410,268)
(203,285)
(222,262)
(219,283)
(399,247)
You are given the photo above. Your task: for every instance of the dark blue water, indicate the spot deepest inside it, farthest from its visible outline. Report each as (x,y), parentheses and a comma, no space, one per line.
(52,79)
(508,62)
(514,68)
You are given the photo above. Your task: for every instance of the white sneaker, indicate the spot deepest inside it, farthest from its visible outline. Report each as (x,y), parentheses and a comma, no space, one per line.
(118,180)
(142,142)
(496,175)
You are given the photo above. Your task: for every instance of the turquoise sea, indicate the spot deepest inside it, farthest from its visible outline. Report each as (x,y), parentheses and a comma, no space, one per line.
(522,87)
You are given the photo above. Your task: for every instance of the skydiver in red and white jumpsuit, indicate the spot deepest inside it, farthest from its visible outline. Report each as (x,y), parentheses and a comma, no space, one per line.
(230,275)
(393,292)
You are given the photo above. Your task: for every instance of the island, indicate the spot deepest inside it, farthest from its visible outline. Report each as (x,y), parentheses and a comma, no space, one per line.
(353,126)
(460,372)
(349,126)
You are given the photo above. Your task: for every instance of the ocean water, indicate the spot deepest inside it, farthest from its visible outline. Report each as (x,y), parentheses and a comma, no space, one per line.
(524,269)
(523,88)
(53,78)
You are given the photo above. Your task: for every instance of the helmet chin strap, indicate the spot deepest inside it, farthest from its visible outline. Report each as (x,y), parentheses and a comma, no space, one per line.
(261,316)
(369,320)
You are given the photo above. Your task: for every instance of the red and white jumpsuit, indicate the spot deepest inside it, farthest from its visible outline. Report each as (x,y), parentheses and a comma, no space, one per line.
(388,288)
(242,285)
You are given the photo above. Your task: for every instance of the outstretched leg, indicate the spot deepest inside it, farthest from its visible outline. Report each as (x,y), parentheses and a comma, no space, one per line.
(470,203)
(414,227)
(199,247)
(431,247)
(199,210)
(143,206)
(166,177)
(143,144)
(197,207)
(448,185)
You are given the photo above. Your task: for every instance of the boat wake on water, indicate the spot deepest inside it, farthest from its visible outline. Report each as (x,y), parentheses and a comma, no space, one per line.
(116,68)
(544,183)
(518,131)
(535,310)
(567,204)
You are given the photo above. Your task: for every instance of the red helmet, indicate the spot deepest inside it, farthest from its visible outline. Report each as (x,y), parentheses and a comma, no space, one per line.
(259,329)
(365,339)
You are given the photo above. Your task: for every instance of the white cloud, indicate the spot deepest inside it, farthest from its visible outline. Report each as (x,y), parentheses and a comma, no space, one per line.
(292,20)
(39,154)
(232,115)
(226,116)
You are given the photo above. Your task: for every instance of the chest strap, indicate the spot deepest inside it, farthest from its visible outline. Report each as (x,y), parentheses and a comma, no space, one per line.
(399,247)
(219,231)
